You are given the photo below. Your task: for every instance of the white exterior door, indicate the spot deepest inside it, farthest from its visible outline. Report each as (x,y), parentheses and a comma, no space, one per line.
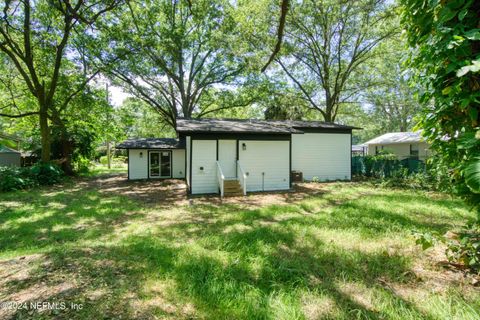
(267,164)
(204,167)
(227,156)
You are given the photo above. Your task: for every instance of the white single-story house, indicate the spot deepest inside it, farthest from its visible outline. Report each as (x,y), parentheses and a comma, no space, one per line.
(359,149)
(403,144)
(240,156)
(9,157)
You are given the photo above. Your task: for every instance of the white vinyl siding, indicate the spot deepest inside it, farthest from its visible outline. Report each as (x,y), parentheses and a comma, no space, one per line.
(204,155)
(269,157)
(322,155)
(178,163)
(402,150)
(189,165)
(138,165)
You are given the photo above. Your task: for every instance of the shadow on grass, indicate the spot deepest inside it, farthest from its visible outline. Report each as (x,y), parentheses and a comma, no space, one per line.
(227,261)
(44,220)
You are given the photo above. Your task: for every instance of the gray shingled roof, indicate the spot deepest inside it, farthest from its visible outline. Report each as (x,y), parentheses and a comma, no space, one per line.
(151,143)
(252,126)
(302,124)
(229,126)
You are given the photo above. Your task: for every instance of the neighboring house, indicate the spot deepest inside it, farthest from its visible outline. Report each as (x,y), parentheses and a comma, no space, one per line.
(403,144)
(9,157)
(239,156)
(359,149)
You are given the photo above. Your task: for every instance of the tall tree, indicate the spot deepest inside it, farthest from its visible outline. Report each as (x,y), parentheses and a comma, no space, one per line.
(186,49)
(137,119)
(326,41)
(34,40)
(390,95)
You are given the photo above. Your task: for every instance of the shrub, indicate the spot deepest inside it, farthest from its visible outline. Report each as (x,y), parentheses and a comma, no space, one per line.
(463,247)
(403,179)
(46,173)
(14,178)
(104,160)
(82,164)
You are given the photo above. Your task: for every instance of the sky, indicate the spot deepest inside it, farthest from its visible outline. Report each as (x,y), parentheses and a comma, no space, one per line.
(117,95)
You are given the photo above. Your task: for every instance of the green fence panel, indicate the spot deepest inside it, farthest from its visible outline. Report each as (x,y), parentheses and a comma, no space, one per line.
(384,168)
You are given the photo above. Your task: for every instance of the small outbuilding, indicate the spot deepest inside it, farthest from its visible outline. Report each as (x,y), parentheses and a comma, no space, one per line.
(9,157)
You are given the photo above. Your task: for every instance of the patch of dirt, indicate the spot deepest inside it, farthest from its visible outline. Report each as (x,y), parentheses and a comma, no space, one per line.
(260,199)
(21,283)
(173,192)
(317,308)
(431,275)
(151,192)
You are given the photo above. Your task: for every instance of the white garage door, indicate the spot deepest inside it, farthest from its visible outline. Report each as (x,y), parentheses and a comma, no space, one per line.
(267,164)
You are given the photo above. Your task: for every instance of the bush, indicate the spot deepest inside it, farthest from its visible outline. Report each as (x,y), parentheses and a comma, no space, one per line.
(82,164)
(14,178)
(391,172)
(402,179)
(46,173)
(104,160)
(463,247)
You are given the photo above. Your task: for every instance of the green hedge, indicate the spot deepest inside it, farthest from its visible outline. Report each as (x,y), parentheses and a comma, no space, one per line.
(16,178)
(385,166)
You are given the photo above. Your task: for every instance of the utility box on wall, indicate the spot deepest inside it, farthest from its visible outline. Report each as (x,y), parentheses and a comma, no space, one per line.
(297,176)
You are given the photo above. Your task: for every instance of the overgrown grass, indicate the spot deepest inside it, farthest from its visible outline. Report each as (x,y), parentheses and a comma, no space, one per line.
(101,169)
(345,253)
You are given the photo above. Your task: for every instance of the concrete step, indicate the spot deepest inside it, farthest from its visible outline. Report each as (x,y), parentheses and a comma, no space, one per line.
(232,188)
(228,183)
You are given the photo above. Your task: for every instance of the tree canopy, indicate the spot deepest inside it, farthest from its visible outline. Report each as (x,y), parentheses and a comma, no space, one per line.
(176,52)
(445,42)
(318,59)
(325,42)
(35,38)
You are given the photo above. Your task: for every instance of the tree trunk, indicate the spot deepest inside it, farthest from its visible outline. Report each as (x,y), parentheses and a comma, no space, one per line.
(329,109)
(328,116)
(66,148)
(109,157)
(45,135)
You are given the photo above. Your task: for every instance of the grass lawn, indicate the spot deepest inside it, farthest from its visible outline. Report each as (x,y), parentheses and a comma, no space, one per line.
(101,169)
(344,251)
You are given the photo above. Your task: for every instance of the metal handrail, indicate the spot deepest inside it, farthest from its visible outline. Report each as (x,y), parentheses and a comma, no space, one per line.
(242,177)
(220,179)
